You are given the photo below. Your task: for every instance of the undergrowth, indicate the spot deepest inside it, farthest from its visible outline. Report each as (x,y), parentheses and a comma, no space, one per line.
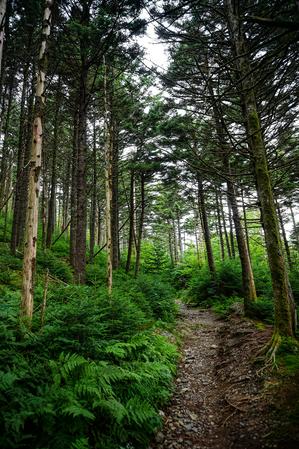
(97,372)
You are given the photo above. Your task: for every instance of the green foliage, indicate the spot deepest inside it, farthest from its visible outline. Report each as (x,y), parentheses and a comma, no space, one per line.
(95,375)
(288,357)
(61,248)
(203,289)
(154,257)
(263,309)
(223,306)
(57,267)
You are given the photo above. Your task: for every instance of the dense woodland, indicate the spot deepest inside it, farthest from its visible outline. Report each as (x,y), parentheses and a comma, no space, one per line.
(125,186)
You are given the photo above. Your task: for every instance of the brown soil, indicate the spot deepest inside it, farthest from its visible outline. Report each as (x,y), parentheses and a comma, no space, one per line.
(220,400)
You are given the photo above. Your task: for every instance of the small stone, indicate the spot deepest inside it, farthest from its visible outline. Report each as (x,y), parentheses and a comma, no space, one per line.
(159,437)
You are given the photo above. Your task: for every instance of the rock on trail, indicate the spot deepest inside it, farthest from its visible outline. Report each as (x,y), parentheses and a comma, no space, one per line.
(201,414)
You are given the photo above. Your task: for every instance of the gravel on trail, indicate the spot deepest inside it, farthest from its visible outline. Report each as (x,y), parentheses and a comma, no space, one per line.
(217,401)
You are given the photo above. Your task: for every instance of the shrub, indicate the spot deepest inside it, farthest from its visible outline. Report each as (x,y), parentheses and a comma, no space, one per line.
(57,267)
(94,376)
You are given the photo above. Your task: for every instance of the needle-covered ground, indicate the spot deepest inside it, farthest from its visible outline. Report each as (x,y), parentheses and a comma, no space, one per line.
(222,398)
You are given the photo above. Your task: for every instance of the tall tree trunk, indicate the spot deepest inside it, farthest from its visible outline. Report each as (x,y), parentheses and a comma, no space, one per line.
(170,243)
(15,238)
(224,227)
(5,146)
(247,274)
(284,236)
(245,224)
(81,211)
(52,201)
(115,188)
(206,229)
(140,224)
(231,229)
(2,27)
(93,210)
(283,299)
(108,183)
(132,224)
(175,245)
(220,226)
(73,225)
(296,231)
(180,241)
(35,167)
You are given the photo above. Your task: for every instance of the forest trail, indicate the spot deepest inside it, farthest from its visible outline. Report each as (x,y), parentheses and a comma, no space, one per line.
(200,414)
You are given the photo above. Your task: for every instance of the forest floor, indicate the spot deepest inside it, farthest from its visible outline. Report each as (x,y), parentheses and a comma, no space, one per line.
(222,399)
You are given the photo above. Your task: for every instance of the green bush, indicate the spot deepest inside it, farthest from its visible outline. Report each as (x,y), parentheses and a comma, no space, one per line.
(57,267)
(263,309)
(94,376)
(223,306)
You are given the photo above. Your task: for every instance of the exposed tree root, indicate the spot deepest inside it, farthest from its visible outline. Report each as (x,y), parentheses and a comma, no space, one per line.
(268,352)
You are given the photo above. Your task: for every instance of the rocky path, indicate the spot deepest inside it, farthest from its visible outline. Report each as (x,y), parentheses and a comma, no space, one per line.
(201,414)
(193,419)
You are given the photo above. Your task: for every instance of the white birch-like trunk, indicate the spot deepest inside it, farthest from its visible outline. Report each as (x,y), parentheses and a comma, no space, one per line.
(34,175)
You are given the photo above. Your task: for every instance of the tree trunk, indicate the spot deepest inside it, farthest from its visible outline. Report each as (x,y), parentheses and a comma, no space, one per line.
(231,229)
(180,242)
(52,201)
(283,300)
(15,237)
(73,226)
(132,224)
(92,225)
(35,167)
(2,27)
(115,181)
(108,184)
(284,236)
(247,274)
(224,227)
(296,232)
(206,229)
(140,224)
(5,146)
(175,245)
(81,210)
(245,224)
(220,226)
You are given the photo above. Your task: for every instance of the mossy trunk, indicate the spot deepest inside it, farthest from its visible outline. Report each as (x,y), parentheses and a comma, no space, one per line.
(283,299)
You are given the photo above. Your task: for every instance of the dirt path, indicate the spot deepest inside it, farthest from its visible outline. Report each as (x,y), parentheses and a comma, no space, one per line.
(193,419)
(216,393)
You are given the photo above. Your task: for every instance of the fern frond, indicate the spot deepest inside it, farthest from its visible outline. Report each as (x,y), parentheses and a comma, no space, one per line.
(75,410)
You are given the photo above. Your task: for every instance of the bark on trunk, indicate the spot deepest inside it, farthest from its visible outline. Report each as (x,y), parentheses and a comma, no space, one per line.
(132,224)
(35,167)
(283,299)
(108,184)
(52,201)
(284,236)
(93,210)
(206,229)
(296,232)
(2,27)
(140,224)
(224,227)
(221,241)
(247,274)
